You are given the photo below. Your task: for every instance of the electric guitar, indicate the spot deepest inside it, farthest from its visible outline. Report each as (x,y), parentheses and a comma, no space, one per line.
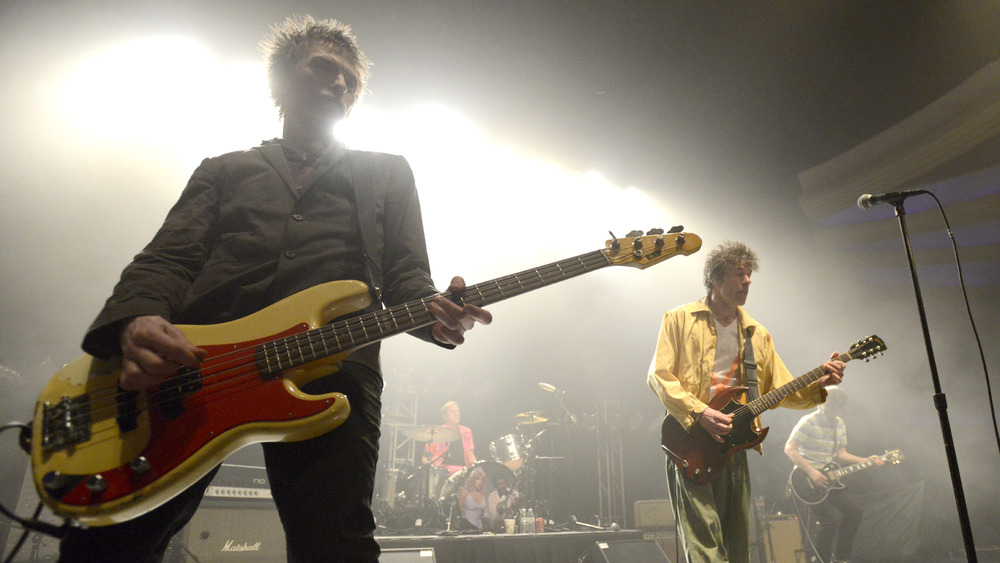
(701,458)
(102,455)
(810,493)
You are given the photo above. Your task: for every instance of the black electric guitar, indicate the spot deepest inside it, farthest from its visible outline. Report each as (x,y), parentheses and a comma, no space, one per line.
(810,493)
(101,455)
(701,458)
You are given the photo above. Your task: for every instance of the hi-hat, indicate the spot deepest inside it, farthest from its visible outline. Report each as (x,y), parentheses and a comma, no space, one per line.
(530,417)
(430,433)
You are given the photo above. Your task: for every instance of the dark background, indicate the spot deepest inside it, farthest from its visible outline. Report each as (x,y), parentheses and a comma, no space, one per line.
(709,110)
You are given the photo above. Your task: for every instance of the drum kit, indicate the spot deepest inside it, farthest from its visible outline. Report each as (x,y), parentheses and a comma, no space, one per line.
(426,496)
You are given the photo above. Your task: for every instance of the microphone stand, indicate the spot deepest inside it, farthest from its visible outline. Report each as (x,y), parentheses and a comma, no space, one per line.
(940,401)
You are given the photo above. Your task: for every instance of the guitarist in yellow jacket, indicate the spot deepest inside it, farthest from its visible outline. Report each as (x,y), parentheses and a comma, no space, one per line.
(699,353)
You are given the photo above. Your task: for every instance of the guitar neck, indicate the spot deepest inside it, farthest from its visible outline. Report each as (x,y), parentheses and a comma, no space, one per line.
(774,397)
(838,473)
(355,332)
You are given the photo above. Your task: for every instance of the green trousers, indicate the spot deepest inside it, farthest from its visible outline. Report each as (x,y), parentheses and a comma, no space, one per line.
(713,519)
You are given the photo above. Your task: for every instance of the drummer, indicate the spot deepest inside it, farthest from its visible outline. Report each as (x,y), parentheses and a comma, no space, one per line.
(450,455)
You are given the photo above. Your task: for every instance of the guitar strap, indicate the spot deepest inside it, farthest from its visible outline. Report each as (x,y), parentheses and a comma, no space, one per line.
(365,206)
(749,366)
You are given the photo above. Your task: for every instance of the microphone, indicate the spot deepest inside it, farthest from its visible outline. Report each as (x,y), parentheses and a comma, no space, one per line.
(868,200)
(551,388)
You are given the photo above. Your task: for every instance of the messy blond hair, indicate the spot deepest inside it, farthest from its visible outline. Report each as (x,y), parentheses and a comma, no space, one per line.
(290,39)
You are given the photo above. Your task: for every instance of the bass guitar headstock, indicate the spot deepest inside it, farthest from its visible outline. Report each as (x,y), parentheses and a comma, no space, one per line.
(642,250)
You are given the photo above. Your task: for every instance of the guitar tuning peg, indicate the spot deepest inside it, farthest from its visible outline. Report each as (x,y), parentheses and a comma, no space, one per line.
(634,234)
(675,229)
(654,231)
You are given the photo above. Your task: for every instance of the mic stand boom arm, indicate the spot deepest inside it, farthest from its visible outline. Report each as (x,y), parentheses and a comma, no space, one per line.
(940,401)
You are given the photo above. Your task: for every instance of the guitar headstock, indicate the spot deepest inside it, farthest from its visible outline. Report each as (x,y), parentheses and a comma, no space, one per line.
(894,457)
(642,250)
(867,348)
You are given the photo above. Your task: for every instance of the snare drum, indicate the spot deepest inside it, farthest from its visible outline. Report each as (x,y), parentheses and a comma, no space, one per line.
(509,451)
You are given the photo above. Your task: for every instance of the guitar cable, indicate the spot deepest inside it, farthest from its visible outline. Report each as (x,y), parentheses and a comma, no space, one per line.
(804,524)
(31,524)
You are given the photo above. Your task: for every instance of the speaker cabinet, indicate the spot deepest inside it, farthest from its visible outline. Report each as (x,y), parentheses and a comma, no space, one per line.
(632,551)
(667,541)
(653,514)
(783,541)
(407,555)
(234,531)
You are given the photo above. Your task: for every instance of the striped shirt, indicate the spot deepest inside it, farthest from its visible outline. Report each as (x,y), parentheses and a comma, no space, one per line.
(818,439)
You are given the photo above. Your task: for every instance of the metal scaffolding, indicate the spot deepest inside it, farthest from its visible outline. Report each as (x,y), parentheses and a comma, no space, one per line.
(610,467)
(402,451)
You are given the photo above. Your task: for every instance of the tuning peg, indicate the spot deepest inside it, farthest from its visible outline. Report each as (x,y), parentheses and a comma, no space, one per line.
(634,234)
(654,231)
(675,229)
(615,245)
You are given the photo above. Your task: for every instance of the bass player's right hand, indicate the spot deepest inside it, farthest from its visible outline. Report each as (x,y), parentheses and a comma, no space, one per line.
(153,350)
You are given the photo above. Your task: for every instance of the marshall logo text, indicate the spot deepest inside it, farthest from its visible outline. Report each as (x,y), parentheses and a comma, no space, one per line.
(245,546)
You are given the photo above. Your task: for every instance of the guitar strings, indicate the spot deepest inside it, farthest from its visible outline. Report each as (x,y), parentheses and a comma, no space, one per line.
(225,381)
(566,269)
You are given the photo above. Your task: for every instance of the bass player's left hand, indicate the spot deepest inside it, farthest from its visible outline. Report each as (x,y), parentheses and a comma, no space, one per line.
(455,320)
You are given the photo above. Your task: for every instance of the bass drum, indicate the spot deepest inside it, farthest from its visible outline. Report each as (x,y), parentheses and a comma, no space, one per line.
(476,514)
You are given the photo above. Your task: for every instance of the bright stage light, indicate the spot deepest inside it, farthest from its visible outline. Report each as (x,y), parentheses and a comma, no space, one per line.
(161,104)
(478,193)
(165,92)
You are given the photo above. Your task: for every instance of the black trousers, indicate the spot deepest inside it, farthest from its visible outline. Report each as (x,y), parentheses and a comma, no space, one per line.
(322,488)
(839,515)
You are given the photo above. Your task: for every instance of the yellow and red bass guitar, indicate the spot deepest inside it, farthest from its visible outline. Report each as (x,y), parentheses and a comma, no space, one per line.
(101,455)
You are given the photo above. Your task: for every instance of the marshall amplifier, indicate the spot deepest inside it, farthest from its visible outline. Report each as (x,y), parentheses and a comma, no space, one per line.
(237,520)
(239,482)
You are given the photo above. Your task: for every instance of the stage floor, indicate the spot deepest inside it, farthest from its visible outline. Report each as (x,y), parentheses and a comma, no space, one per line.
(548,547)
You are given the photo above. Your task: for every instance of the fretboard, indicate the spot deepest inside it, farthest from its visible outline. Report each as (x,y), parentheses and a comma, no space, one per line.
(838,473)
(775,397)
(293,351)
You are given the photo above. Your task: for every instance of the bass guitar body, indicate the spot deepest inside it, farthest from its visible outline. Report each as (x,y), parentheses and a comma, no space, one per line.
(103,455)
(696,453)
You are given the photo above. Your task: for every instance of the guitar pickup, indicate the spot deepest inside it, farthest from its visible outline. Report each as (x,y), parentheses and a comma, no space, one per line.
(171,394)
(65,423)
(128,413)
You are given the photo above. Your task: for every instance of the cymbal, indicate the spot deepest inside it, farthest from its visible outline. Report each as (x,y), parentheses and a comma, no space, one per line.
(395,419)
(430,433)
(530,417)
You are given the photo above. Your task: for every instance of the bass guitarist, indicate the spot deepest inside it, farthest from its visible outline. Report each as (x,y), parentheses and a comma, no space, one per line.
(700,352)
(254,227)
(817,439)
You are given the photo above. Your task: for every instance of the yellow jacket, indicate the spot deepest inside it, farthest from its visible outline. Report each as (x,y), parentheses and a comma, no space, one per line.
(681,371)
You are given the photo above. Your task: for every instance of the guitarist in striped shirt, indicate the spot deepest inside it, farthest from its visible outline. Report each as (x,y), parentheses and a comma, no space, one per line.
(817,439)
